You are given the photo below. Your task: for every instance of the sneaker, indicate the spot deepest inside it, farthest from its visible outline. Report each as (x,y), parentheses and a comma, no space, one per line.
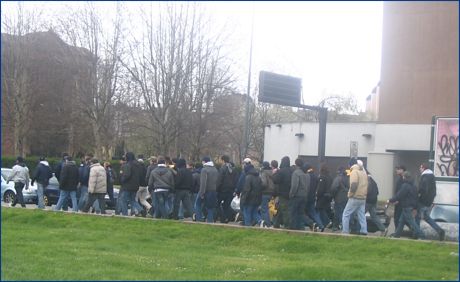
(329,225)
(442,235)
(262,224)
(193,217)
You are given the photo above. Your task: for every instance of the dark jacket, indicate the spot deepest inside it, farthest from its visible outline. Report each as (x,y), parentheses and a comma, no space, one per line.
(226,181)
(242,178)
(143,182)
(69,177)
(406,196)
(339,189)
(150,168)
(184,179)
(42,174)
(252,191)
(427,188)
(83,172)
(196,180)
(208,179)
(58,169)
(161,177)
(323,193)
(313,187)
(300,184)
(372,191)
(268,187)
(131,174)
(283,179)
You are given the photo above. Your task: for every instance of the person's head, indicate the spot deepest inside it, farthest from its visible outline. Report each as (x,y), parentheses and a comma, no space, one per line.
(69,159)
(225,158)
(247,161)
(94,161)
(153,160)
(123,160)
(423,167)
(206,159)
(41,159)
(407,176)
(274,164)
(323,170)
(352,162)
(129,156)
(65,156)
(181,163)
(266,165)
(107,165)
(340,170)
(307,167)
(19,160)
(400,169)
(299,163)
(161,160)
(285,162)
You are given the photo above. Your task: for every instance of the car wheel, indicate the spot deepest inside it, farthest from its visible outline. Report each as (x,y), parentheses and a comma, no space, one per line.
(8,197)
(46,200)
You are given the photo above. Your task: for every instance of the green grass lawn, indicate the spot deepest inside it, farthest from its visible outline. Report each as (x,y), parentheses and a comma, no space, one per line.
(43,245)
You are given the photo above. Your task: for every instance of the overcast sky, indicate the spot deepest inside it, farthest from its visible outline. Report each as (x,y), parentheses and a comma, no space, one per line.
(334,47)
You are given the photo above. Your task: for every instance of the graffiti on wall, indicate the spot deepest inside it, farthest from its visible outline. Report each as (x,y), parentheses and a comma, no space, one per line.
(446,153)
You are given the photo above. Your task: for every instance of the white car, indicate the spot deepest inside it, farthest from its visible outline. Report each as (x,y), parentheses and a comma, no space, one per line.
(9,193)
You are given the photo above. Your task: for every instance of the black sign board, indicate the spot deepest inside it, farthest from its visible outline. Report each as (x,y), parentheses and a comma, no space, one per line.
(279,89)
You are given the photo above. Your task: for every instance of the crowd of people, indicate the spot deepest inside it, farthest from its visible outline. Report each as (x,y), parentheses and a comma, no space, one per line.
(284,196)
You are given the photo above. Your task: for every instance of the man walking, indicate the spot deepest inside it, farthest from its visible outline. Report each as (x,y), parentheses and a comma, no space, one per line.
(42,176)
(130,174)
(225,187)
(97,186)
(426,195)
(356,198)
(20,176)
(161,182)
(68,184)
(300,182)
(208,187)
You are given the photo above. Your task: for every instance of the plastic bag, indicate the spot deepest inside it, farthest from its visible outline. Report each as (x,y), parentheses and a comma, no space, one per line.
(235,204)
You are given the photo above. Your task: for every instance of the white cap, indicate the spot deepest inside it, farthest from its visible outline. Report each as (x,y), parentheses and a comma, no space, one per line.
(247,160)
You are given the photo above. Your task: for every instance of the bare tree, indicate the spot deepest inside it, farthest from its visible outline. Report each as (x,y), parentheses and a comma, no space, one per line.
(85,28)
(179,70)
(16,75)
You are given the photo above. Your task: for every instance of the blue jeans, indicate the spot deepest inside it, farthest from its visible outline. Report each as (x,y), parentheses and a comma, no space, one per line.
(324,215)
(160,204)
(63,197)
(338,213)
(40,190)
(199,203)
(264,209)
(209,202)
(83,197)
(251,214)
(353,205)
(296,212)
(407,218)
(311,212)
(425,212)
(129,197)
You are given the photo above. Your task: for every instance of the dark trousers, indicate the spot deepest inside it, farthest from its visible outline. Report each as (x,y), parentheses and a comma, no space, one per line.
(182,196)
(224,199)
(18,186)
(92,197)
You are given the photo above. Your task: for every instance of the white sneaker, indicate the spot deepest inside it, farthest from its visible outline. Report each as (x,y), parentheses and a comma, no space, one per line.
(262,224)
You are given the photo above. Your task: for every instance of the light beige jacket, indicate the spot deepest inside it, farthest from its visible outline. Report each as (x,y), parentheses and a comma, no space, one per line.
(97,179)
(358,177)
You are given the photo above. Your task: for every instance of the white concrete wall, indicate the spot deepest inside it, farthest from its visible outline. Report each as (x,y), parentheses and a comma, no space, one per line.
(281,141)
(404,137)
(382,169)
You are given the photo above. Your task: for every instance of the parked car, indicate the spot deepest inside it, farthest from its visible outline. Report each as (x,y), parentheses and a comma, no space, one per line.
(9,193)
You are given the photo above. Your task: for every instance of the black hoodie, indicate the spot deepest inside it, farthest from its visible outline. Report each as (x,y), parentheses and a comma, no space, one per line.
(283,178)
(252,191)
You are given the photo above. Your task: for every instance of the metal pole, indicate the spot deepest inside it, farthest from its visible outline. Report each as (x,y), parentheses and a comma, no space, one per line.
(246,124)
(322,114)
